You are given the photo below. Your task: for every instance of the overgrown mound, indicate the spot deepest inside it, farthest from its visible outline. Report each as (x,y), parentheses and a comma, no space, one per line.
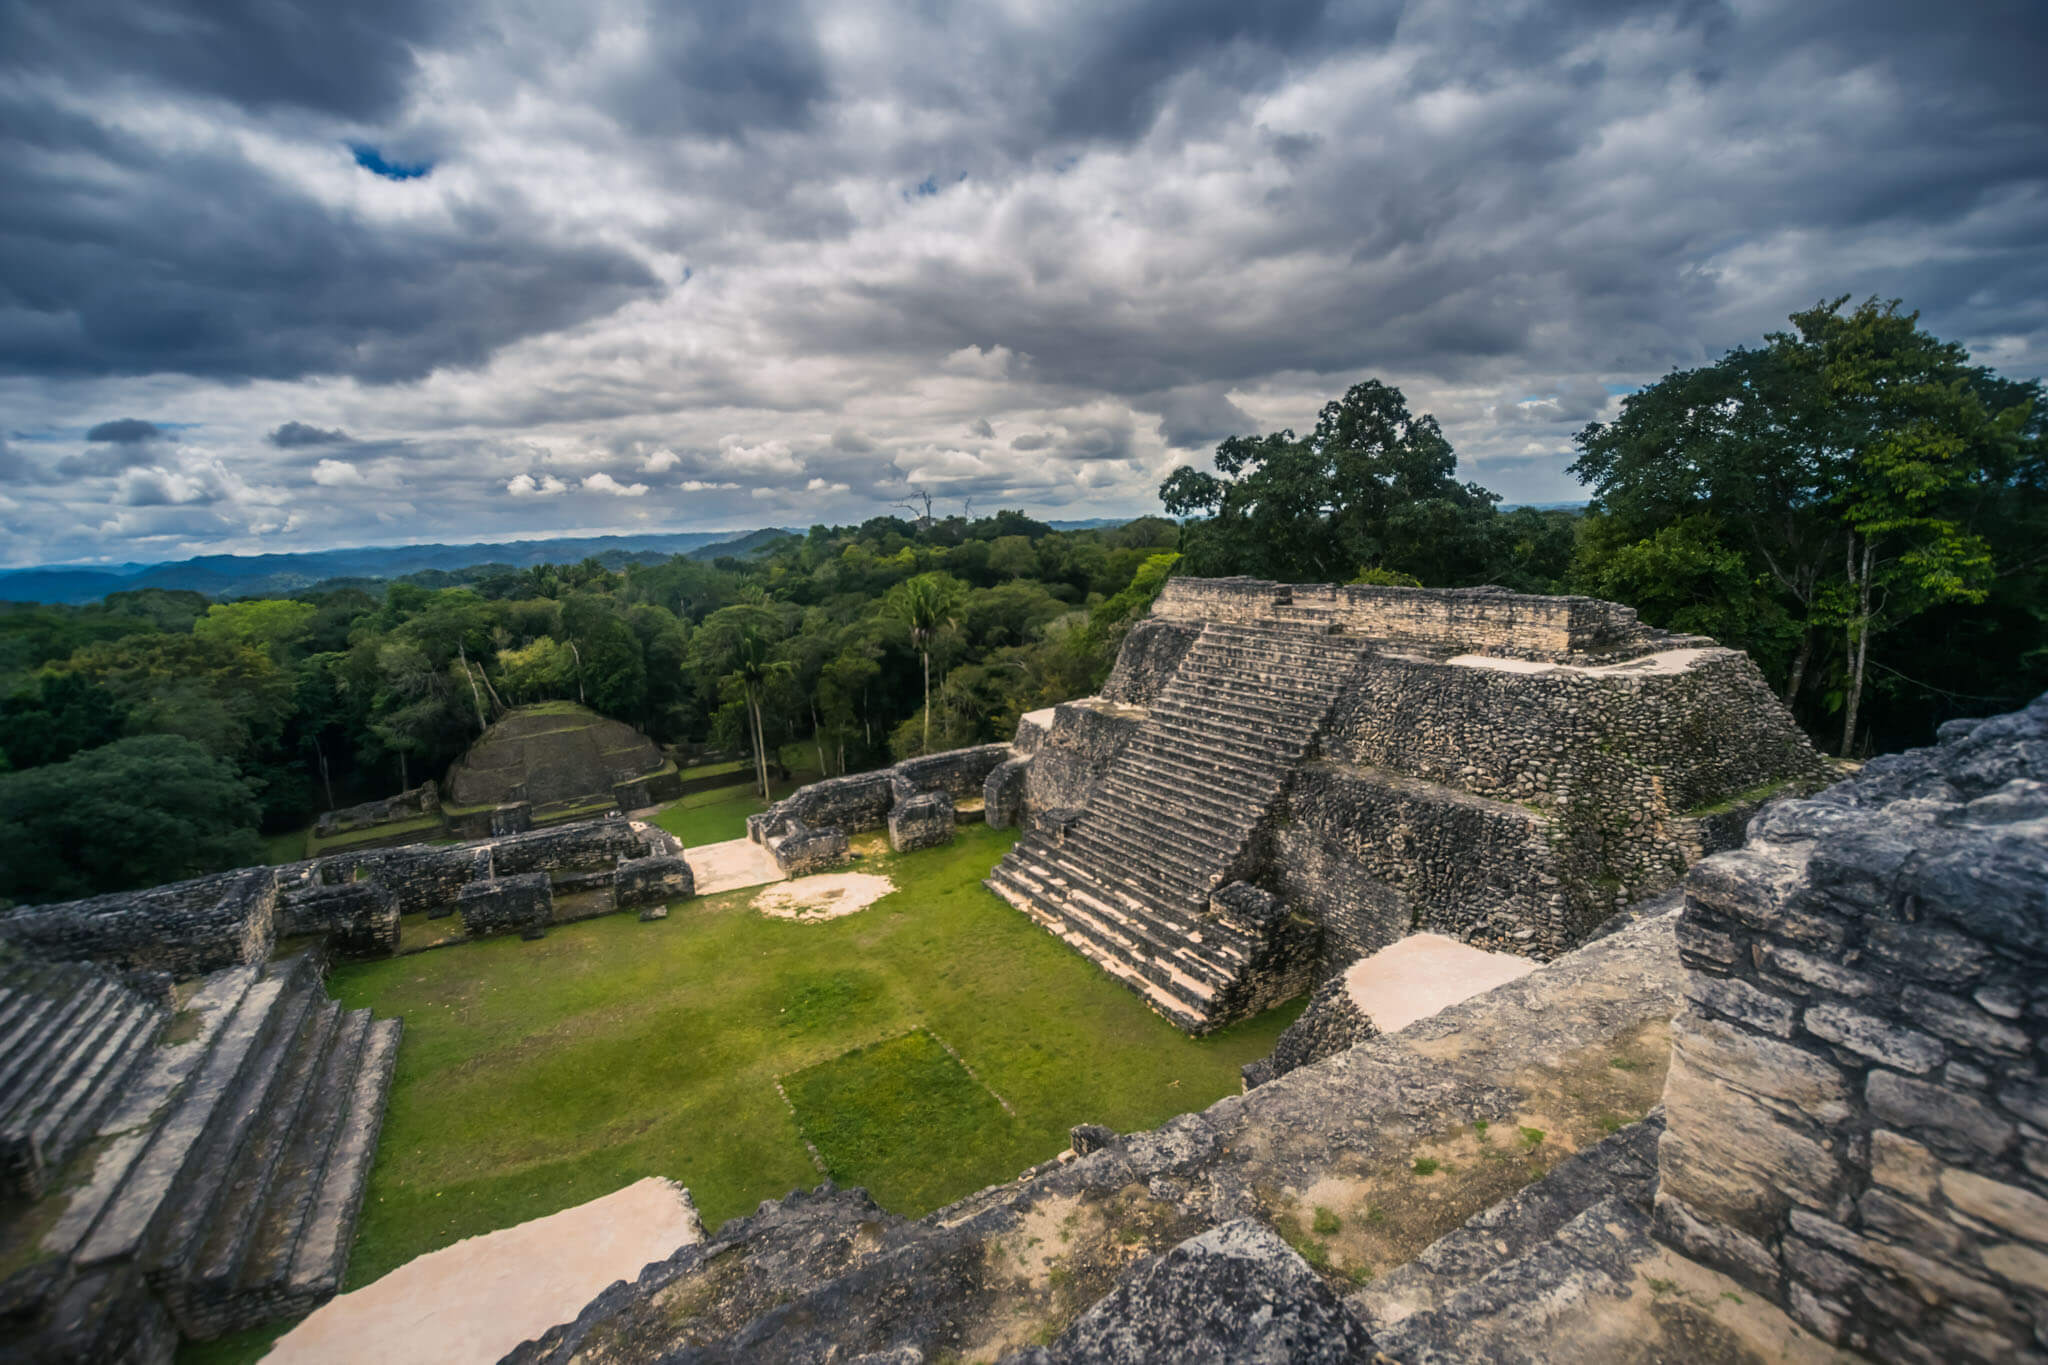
(554,753)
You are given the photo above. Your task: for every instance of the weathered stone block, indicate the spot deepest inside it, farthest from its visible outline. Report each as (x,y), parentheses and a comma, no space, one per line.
(925,821)
(1744,1003)
(497,905)
(1871,1037)
(805,850)
(650,882)
(1002,794)
(1090,1137)
(2018,1212)
(1943,1116)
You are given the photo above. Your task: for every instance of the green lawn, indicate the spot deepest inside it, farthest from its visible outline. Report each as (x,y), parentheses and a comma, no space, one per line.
(289,847)
(712,817)
(534,1076)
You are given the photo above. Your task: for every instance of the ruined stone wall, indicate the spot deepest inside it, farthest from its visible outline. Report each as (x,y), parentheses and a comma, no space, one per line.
(424,799)
(358,919)
(587,843)
(495,905)
(959,773)
(1374,857)
(184,928)
(1146,662)
(1857,1119)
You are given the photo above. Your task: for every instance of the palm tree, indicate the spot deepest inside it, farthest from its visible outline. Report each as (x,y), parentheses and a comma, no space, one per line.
(927,604)
(753,669)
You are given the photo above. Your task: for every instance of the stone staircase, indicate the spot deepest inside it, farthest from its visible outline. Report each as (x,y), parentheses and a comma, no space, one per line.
(228,1177)
(71,1035)
(1129,882)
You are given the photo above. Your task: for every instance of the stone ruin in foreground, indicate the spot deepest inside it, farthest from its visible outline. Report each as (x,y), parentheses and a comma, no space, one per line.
(1848,1157)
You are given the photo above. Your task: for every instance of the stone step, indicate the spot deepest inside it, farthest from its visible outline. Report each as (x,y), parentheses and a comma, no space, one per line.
(1152,932)
(175,1241)
(1182,843)
(1181,1013)
(1193,774)
(1132,932)
(128,1130)
(29,996)
(178,1141)
(1284,685)
(322,1255)
(123,1056)
(781,1253)
(1217,787)
(1261,765)
(44,1047)
(102,1063)
(1245,715)
(219,1262)
(50,1066)
(1130,871)
(1513,1314)
(267,1261)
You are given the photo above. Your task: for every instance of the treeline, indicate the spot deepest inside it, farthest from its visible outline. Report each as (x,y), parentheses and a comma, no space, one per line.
(153,734)
(1853,502)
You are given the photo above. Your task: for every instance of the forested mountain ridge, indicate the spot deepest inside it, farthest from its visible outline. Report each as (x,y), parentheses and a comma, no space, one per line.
(269,574)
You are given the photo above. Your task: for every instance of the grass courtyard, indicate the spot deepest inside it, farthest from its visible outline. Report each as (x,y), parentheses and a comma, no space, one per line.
(930,1044)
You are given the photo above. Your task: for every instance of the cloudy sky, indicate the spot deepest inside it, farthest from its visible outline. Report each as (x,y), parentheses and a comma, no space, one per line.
(290,274)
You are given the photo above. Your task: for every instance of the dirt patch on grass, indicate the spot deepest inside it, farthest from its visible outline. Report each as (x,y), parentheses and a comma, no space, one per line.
(829,895)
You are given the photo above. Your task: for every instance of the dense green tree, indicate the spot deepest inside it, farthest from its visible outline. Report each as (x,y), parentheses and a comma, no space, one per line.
(1373,486)
(152,808)
(1872,481)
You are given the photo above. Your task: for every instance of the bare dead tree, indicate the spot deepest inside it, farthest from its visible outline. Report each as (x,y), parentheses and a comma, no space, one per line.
(924,517)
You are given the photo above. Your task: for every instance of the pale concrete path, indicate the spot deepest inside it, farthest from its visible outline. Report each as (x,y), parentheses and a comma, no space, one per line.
(1414,977)
(730,866)
(470,1303)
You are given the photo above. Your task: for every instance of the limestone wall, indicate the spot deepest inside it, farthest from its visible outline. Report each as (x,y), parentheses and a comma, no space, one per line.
(1374,857)
(1857,1120)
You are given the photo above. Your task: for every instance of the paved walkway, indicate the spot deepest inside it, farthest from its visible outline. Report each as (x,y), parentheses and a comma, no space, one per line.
(470,1303)
(730,866)
(1414,977)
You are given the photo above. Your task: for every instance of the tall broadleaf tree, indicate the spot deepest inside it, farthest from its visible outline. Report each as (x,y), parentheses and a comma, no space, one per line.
(1863,469)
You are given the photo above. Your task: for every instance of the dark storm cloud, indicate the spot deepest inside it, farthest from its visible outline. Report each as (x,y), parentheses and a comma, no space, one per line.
(354,59)
(1200,417)
(724,70)
(118,264)
(1129,56)
(1152,225)
(125,431)
(293,435)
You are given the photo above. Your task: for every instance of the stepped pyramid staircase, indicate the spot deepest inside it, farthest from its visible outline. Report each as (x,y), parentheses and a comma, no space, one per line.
(1129,882)
(225,1179)
(71,1035)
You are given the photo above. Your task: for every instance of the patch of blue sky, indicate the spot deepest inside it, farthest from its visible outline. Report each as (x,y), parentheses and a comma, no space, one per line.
(373,161)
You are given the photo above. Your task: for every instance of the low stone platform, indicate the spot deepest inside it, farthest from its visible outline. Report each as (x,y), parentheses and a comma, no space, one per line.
(1414,977)
(732,865)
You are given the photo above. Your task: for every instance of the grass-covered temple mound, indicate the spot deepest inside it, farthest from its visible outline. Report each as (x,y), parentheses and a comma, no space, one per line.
(539,1075)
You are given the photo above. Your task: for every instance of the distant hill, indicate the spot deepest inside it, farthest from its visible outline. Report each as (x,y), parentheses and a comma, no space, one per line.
(257,575)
